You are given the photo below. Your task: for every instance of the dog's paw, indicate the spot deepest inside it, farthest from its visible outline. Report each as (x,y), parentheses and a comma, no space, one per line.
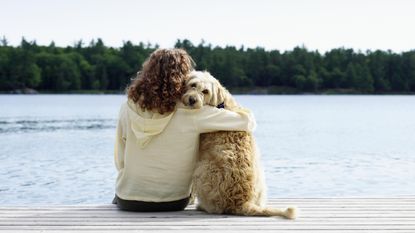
(291,213)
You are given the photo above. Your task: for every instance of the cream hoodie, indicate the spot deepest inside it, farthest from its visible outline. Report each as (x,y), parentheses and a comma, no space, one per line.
(155,154)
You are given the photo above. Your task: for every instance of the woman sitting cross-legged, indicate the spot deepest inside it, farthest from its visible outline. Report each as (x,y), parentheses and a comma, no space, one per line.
(157,141)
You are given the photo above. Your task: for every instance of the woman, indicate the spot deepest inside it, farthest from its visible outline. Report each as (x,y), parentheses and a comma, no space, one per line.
(157,141)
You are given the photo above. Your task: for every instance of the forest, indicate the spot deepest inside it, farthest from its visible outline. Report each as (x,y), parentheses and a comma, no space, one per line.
(95,67)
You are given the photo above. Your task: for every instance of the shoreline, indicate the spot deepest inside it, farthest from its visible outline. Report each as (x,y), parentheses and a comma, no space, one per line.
(234,91)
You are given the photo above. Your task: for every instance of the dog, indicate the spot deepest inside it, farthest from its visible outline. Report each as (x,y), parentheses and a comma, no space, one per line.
(228,178)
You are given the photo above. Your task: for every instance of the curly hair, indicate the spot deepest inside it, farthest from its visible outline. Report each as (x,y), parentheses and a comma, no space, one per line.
(161,81)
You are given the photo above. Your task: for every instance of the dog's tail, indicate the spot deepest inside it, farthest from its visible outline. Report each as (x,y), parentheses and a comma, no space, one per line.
(250,209)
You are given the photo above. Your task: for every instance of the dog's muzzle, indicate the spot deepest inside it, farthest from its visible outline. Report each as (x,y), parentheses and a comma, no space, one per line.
(192,100)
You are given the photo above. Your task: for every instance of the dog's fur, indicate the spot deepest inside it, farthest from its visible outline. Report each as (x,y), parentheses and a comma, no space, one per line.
(228,178)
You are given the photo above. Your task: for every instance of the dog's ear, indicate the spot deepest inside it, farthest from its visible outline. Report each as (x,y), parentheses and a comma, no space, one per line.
(226,98)
(218,94)
(213,101)
(229,101)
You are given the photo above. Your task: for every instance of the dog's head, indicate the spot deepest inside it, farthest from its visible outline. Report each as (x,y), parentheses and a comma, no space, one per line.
(203,89)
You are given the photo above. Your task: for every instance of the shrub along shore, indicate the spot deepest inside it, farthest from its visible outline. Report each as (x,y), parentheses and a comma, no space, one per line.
(96,68)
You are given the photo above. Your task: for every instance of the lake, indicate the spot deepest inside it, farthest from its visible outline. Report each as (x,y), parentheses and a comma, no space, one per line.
(58,149)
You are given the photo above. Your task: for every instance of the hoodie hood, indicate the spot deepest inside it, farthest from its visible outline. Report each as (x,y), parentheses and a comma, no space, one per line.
(145,124)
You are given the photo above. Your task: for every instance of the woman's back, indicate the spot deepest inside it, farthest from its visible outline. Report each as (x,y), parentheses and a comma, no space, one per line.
(156,153)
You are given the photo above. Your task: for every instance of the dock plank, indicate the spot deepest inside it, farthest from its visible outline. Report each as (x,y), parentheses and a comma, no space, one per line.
(316,215)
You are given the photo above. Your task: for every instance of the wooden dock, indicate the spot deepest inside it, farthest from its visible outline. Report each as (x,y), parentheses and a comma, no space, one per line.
(316,215)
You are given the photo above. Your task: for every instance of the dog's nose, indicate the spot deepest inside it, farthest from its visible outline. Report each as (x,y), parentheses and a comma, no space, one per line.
(192,100)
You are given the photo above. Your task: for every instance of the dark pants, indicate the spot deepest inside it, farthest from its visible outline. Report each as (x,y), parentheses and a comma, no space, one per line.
(143,206)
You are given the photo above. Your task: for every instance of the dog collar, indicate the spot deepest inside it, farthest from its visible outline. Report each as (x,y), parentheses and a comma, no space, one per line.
(222,105)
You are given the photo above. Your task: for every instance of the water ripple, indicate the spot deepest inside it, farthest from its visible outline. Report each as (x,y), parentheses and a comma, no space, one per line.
(24,126)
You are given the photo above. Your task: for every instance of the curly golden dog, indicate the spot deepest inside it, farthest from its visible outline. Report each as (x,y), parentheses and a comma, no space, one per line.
(228,178)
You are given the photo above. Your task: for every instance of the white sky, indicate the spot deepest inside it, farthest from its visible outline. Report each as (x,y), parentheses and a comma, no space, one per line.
(273,24)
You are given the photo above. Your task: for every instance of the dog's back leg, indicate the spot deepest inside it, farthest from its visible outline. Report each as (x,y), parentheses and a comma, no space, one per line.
(250,209)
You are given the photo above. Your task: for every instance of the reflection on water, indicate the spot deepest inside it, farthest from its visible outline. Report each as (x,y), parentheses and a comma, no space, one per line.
(58,149)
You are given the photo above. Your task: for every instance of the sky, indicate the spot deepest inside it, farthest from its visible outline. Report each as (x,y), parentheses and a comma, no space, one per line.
(272,24)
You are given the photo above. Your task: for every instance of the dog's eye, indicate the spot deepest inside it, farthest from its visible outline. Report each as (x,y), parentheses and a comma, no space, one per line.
(205,91)
(193,85)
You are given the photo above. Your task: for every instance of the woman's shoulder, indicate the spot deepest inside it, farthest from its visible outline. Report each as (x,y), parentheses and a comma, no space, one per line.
(123,111)
(123,106)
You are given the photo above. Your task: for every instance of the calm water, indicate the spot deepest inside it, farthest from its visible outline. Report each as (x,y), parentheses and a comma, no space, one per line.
(59,148)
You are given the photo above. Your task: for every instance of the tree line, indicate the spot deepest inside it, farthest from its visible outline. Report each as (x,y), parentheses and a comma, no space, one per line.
(95,66)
